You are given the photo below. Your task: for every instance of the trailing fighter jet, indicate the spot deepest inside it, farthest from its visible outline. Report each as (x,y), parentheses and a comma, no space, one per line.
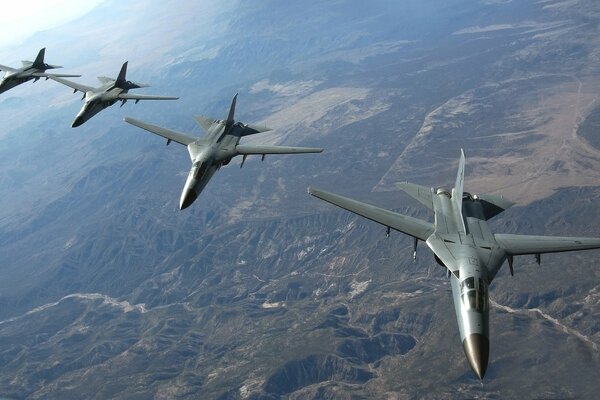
(462,242)
(111,91)
(216,148)
(31,70)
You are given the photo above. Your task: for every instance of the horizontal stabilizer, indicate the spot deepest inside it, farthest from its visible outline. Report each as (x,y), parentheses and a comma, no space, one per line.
(494,205)
(138,97)
(136,85)
(249,129)
(411,226)
(168,134)
(257,150)
(50,66)
(420,193)
(205,122)
(526,244)
(105,79)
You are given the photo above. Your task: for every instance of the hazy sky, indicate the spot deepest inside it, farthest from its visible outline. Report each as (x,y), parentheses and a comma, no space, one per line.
(20,20)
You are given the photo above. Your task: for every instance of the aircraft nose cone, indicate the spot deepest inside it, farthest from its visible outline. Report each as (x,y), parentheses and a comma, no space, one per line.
(78,122)
(477,350)
(187,198)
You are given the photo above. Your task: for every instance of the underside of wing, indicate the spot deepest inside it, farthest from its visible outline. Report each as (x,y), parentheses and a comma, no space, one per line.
(7,69)
(168,134)
(45,75)
(525,244)
(73,85)
(258,150)
(402,223)
(138,97)
(420,193)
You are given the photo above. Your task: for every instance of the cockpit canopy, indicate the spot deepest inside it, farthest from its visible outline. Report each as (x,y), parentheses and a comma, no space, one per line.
(474,294)
(198,170)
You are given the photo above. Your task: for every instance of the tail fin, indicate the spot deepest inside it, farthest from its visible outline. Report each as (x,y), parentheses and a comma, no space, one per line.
(122,74)
(457,191)
(39,60)
(230,119)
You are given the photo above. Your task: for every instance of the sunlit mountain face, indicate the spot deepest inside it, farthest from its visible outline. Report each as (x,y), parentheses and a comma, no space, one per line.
(258,291)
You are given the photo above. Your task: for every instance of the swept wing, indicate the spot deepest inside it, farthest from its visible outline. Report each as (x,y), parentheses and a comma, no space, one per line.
(73,85)
(7,69)
(138,97)
(526,244)
(402,223)
(168,134)
(45,75)
(258,150)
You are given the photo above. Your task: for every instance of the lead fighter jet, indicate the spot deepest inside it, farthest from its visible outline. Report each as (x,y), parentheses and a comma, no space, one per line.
(111,91)
(217,148)
(462,242)
(31,70)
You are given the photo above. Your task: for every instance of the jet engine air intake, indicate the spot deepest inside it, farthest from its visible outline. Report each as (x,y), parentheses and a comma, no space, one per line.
(440,262)
(443,191)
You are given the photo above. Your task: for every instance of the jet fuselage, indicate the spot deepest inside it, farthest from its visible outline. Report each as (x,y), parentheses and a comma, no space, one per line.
(462,242)
(97,101)
(14,78)
(477,258)
(215,149)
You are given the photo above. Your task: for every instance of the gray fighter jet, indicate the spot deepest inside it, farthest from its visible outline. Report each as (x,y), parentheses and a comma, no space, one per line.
(216,149)
(111,91)
(462,242)
(31,70)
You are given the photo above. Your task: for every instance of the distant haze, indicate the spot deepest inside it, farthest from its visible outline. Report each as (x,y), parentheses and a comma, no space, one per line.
(18,22)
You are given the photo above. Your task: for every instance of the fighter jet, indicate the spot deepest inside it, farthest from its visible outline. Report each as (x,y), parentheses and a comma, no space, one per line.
(31,70)
(111,91)
(463,243)
(216,148)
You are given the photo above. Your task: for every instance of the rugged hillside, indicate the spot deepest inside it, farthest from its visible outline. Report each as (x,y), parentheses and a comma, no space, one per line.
(259,291)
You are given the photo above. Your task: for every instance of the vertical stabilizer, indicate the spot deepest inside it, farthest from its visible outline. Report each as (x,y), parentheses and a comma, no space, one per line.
(122,74)
(457,191)
(39,60)
(230,119)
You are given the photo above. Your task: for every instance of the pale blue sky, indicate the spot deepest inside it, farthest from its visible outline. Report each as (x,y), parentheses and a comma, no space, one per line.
(20,20)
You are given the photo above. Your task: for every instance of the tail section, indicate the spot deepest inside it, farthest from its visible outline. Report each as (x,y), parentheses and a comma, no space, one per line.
(39,60)
(122,78)
(457,191)
(230,119)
